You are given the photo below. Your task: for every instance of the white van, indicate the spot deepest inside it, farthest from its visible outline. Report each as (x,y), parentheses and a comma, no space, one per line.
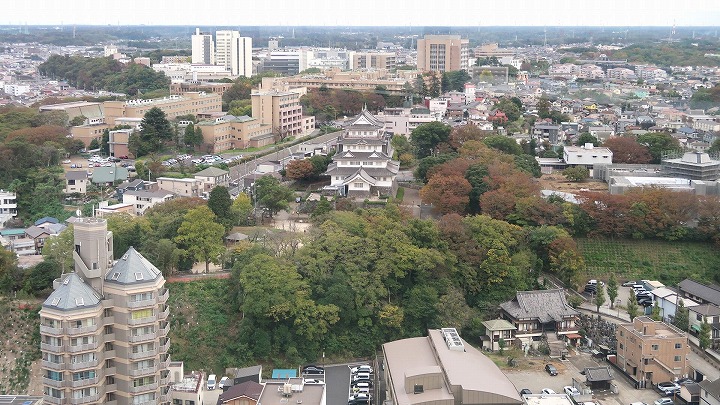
(211,382)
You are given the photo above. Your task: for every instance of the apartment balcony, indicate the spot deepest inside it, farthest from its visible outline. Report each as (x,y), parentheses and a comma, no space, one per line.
(142,321)
(88,399)
(83,383)
(109,320)
(165,380)
(83,330)
(165,347)
(164,330)
(164,364)
(84,365)
(164,398)
(52,348)
(109,371)
(142,355)
(143,338)
(83,348)
(53,366)
(164,314)
(109,337)
(144,388)
(142,303)
(143,371)
(53,400)
(109,354)
(110,402)
(110,388)
(163,297)
(52,383)
(50,330)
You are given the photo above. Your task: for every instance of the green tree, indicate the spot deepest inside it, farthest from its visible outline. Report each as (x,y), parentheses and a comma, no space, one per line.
(156,129)
(503,144)
(426,138)
(8,268)
(105,143)
(201,236)
(658,143)
(612,289)
(78,120)
(704,337)
(655,314)
(242,207)
(577,173)
(528,164)
(220,204)
(323,207)
(272,195)
(599,297)
(40,277)
(585,137)
(632,306)
(682,316)
(59,249)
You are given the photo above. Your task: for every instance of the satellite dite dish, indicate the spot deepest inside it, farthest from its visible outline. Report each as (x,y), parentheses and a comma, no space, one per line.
(78,213)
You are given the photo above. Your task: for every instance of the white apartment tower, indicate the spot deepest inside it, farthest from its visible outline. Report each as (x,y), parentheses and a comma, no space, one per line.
(234,52)
(104,330)
(203,48)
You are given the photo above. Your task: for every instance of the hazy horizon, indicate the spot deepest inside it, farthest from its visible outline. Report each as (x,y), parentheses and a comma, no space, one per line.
(366,13)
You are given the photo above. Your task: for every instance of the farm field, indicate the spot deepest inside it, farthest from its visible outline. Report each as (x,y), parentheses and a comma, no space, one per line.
(668,262)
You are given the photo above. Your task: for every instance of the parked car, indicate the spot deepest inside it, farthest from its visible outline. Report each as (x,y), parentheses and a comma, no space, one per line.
(525,391)
(361,376)
(359,398)
(66,161)
(224,382)
(630,284)
(551,369)
(313,369)
(668,388)
(211,381)
(685,380)
(664,401)
(361,385)
(361,369)
(547,391)
(572,391)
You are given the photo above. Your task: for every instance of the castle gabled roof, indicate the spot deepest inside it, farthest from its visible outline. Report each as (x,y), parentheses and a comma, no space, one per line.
(132,268)
(73,293)
(365,118)
(362,174)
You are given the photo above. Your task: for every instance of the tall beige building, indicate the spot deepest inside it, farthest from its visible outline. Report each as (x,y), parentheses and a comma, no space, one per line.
(442,53)
(374,60)
(280,109)
(233,52)
(104,329)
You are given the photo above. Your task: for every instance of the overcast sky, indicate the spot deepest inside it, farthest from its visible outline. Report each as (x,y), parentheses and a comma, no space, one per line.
(364,12)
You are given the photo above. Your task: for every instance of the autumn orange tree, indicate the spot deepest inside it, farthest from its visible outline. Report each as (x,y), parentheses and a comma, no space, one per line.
(626,149)
(300,169)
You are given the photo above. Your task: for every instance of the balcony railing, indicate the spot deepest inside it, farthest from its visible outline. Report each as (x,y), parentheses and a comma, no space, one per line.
(141,321)
(165,380)
(165,347)
(52,383)
(83,330)
(51,330)
(83,348)
(109,354)
(109,320)
(163,297)
(163,399)
(87,399)
(164,330)
(53,366)
(54,400)
(85,364)
(143,371)
(141,303)
(109,371)
(110,388)
(144,388)
(164,314)
(83,383)
(143,338)
(51,348)
(142,355)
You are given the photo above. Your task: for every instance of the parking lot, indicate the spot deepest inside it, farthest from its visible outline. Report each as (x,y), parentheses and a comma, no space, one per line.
(535,379)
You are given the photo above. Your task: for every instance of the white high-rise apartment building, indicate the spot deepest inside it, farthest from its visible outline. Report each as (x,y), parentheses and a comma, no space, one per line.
(104,330)
(234,52)
(203,48)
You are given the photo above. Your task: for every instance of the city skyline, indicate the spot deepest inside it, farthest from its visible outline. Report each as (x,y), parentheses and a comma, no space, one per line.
(366,13)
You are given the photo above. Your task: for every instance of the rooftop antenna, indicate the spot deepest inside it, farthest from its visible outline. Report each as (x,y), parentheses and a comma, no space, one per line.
(545,41)
(73,32)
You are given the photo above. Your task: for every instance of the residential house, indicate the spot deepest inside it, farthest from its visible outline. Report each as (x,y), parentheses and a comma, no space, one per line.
(602,132)
(46,221)
(690,393)
(535,313)
(705,313)
(245,393)
(651,351)
(295,390)
(598,378)
(76,182)
(667,300)
(211,177)
(588,155)
(544,131)
(701,293)
(142,200)
(402,121)
(362,165)
(186,187)
(710,392)
(495,330)
(133,185)
(188,389)
(38,236)
(108,176)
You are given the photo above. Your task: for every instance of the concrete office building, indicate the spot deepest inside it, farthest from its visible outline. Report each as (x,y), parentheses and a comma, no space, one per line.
(281,110)
(234,52)
(103,331)
(442,53)
(374,60)
(203,48)
(172,106)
